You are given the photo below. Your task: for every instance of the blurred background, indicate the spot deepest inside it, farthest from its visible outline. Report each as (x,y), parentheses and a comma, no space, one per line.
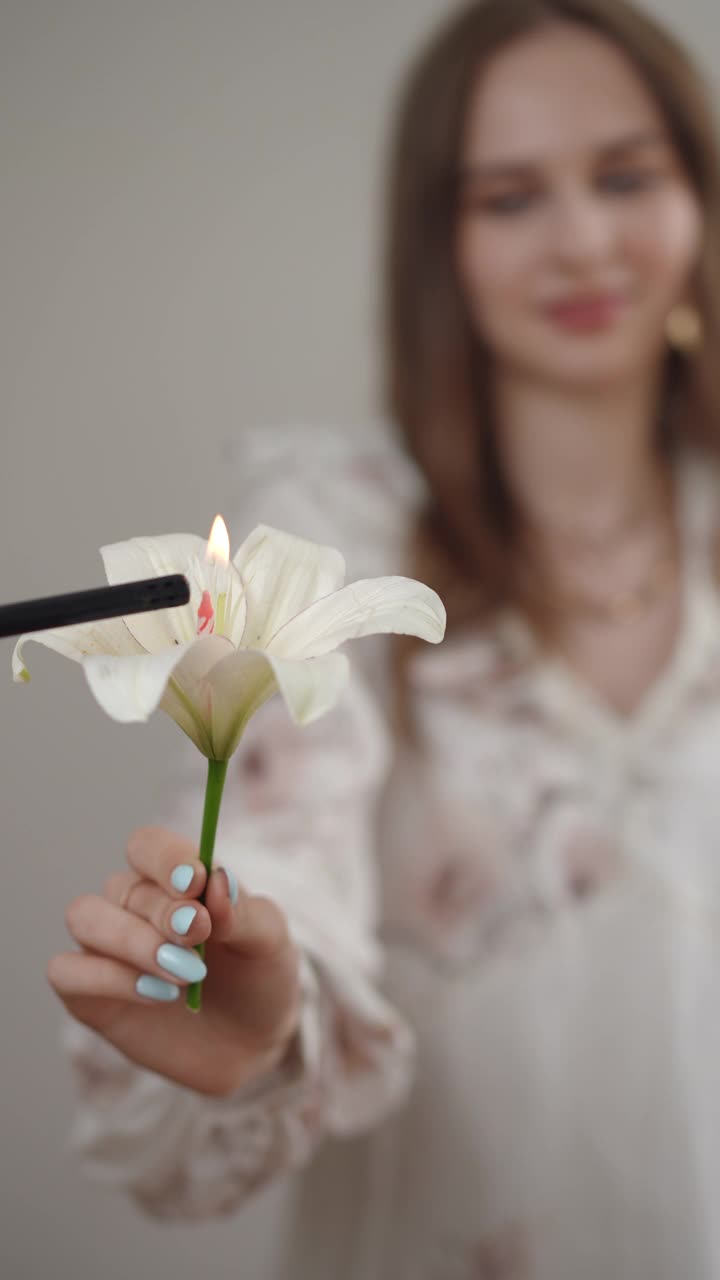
(189,241)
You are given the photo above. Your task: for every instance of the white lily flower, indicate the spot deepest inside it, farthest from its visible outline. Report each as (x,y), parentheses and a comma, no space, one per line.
(267,621)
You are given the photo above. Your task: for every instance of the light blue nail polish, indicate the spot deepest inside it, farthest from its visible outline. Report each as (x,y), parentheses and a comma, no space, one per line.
(180,962)
(233,888)
(181,877)
(156,989)
(182,919)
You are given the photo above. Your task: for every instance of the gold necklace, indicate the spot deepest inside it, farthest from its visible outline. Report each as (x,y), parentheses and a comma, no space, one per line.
(630,603)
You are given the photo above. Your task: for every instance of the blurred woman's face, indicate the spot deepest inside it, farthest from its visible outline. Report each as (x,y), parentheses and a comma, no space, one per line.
(578,230)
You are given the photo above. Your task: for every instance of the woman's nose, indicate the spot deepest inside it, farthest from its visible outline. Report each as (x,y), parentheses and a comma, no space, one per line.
(583,232)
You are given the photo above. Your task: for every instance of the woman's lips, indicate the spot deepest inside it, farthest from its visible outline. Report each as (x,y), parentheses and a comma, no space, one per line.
(589,313)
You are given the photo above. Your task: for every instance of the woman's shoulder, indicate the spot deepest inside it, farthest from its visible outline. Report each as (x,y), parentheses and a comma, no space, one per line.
(352,488)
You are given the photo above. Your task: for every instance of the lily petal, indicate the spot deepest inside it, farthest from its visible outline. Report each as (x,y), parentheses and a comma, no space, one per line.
(188,696)
(245,680)
(109,636)
(131,688)
(312,687)
(282,575)
(148,557)
(372,606)
(238,687)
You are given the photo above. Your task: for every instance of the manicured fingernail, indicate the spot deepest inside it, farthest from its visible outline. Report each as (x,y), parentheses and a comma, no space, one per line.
(180,962)
(156,989)
(232,884)
(181,877)
(182,919)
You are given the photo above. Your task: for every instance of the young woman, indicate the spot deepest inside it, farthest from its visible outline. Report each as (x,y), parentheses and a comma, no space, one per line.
(477,927)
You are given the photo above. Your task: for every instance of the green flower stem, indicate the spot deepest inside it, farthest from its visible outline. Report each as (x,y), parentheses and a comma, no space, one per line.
(217,769)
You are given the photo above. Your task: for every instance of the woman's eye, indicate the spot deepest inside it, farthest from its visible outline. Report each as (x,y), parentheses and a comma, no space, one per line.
(628,181)
(511,202)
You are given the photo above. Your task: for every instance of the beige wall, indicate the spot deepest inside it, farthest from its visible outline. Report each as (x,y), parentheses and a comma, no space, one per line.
(188,233)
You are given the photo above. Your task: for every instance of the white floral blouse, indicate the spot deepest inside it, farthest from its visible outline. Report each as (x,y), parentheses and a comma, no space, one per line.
(509,1061)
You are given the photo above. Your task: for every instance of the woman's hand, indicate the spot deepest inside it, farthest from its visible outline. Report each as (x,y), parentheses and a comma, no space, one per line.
(251,992)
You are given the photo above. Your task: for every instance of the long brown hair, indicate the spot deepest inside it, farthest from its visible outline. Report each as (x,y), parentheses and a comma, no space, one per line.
(436,376)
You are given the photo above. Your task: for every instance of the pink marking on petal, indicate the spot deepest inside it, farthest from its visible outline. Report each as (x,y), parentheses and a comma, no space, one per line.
(206,615)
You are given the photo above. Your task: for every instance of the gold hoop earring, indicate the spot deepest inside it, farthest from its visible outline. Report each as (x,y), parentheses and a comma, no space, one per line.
(684,328)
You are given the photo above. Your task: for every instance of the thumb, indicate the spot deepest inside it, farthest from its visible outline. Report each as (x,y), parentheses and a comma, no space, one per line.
(253,944)
(244,922)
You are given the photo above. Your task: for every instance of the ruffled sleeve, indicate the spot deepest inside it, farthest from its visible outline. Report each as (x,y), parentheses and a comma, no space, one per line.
(298,824)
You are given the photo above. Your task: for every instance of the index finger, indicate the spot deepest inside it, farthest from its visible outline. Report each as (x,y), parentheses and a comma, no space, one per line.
(168,859)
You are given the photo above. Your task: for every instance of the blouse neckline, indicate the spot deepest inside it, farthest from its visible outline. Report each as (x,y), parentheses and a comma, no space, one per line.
(508,655)
(560,685)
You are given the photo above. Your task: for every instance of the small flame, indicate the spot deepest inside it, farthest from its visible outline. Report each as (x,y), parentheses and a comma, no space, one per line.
(218,547)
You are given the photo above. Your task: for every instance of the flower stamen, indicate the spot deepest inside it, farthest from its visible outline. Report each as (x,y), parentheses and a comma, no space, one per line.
(221,603)
(206,615)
